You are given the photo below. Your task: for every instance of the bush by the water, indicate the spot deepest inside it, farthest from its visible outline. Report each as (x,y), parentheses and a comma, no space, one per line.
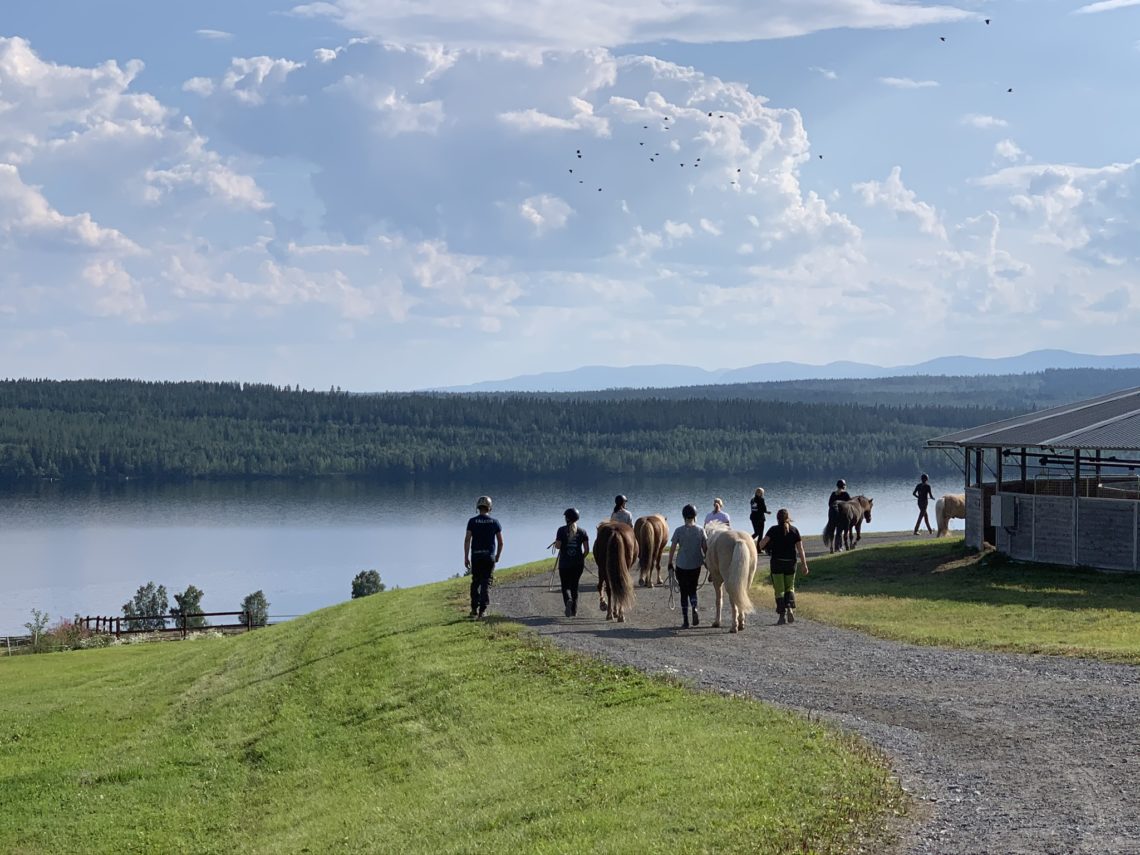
(366,583)
(256,608)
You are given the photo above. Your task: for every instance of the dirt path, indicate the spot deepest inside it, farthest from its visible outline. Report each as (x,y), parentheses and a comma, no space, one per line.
(1013,754)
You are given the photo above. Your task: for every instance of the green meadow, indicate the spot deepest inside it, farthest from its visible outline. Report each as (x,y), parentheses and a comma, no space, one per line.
(935,592)
(393,724)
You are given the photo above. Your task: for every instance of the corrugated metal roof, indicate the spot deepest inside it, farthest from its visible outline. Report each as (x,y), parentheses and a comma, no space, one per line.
(1109,422)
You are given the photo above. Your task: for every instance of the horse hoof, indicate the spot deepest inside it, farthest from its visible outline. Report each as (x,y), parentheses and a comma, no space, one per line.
(716,623)
(733,628)
(621,619)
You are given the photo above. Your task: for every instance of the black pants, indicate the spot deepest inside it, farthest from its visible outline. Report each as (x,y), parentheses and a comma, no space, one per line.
(757,521)
(687,580)
(570,577)
(482,566)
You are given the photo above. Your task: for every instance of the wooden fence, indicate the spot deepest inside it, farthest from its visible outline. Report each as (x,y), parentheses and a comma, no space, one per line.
(120,626)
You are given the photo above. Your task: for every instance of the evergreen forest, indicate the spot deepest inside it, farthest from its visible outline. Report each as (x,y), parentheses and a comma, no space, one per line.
(124,429)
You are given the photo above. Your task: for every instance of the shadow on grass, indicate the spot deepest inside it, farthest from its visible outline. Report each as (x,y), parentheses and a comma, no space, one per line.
(947,571)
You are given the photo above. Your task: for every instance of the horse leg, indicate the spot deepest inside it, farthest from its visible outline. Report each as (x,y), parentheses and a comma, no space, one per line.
(719,603)
(601,586)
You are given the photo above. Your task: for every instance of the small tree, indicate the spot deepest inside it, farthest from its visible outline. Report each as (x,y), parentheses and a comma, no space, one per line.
(148,610)
(366,583)
(256,608)
(36,627)
(189,603)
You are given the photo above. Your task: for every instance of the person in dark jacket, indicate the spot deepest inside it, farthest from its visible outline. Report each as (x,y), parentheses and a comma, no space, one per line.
(839,494)
(758,512)
(923,493)
(482,548)
(573,546)
(786,545)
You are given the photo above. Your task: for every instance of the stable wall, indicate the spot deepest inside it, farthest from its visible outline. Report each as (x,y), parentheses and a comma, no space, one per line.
(1103,533)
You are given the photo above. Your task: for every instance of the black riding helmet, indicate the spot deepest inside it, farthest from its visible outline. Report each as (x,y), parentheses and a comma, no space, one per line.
(689,512)
(571,515)
(841,484)
(620,500)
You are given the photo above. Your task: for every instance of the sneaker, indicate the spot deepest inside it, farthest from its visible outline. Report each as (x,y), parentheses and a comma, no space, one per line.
(569,609)
(474,614)
(685,625)
(782,620)
(791,616)
(696,618)
(573,608)
(481,615)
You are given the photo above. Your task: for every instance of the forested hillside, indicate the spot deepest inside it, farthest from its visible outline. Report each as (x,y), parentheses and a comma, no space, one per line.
(124,429)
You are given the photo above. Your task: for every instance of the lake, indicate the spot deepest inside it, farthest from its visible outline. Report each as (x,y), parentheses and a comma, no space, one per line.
(86,549)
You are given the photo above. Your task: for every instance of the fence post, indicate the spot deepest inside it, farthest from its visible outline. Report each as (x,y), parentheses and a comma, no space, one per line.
(118,627)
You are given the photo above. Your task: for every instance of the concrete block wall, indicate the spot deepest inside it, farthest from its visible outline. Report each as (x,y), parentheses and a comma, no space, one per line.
(1053,529)
(975,517)
(1106,533)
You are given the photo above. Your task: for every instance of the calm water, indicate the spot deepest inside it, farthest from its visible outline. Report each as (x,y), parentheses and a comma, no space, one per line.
(86,550)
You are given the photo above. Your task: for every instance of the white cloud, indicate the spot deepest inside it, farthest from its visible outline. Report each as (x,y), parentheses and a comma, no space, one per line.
(1008,150)
(214,35)
(983,122)
(826,72)
(589,23)
(1105,6)
(545,212)
(907,83)
(893,195)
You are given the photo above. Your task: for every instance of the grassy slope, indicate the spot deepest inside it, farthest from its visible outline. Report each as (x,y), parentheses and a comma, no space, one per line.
(392,724)
(934,592)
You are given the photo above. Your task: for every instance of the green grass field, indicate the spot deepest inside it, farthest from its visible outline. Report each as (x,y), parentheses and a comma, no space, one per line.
(393,724)
(935,592)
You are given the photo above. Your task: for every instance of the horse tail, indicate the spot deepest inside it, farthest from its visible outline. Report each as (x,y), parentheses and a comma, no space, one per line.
(829,531)
(940,513)
(617,568)
(739,577)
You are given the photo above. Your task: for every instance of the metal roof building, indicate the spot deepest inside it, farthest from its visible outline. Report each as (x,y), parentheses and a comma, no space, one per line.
(1060,486)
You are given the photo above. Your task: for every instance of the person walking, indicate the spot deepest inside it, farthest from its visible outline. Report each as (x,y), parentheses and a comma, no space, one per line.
(482,548)
(692,542)
(758,512)
(620,513)
(786,545)
(839,494)
(573,546)
(717,514)
(923,493)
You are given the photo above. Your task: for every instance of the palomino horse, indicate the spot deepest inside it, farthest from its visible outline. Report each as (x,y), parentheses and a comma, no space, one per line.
(652,533)
(845,526)
(615,550)
(952,506)
(731,559)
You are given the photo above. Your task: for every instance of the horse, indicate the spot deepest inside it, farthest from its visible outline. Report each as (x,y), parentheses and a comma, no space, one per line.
(952,506)
(652,533)
(731,559)
(848,518)
(615,550)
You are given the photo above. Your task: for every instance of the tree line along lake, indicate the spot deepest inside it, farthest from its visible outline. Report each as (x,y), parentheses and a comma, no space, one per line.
(85,549)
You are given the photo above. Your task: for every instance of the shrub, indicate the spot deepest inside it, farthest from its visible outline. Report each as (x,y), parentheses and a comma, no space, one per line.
(148,609)
(366,583)
(67,635)
(256,607)
(189,603)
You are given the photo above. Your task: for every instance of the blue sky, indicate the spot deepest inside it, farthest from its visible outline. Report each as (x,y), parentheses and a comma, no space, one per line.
(379,195)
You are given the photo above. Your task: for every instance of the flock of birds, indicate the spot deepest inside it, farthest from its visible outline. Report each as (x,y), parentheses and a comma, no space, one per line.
(694,163)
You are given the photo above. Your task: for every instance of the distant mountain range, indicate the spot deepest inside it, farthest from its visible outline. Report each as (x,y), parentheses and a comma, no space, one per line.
(596,377)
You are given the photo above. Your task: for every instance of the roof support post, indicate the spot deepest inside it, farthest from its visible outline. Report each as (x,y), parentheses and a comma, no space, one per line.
(978,455)
(1076,500)
(999,469)
(1024,470)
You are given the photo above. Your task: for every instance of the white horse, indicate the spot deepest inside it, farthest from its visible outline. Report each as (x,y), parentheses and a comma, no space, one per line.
(731,559)
(952,506)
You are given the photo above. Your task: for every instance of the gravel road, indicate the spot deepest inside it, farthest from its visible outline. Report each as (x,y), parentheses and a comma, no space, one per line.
(1011,754)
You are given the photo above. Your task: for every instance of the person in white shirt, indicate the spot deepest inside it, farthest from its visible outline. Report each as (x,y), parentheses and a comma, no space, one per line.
(717,514)
(620,514)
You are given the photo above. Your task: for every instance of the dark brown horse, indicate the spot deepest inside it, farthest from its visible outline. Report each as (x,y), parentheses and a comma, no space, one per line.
(615,550)
(845,523)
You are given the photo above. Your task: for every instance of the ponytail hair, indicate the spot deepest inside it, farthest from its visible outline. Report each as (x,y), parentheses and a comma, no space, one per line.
(784,519)
(571,528)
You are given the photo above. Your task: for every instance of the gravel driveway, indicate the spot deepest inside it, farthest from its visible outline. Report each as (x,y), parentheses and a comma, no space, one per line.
(1012,754)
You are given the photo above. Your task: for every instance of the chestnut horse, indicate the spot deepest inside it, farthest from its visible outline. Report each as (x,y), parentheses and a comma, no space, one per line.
(731,559)
(652,533)
(952,506)
(845,526)
(615,550)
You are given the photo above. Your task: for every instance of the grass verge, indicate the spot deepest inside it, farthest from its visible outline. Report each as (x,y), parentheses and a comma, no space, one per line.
(937,593)
(393,724)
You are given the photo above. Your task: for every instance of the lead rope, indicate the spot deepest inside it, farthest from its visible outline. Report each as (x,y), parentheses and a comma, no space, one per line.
(672,589)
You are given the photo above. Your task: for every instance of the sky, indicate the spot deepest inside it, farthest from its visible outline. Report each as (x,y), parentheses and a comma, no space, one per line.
(400,194)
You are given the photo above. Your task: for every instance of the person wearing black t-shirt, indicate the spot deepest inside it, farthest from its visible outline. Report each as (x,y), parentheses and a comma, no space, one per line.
(482,548)
(923,493)
(786,546)
(573,546)
(758,512)
(839,494)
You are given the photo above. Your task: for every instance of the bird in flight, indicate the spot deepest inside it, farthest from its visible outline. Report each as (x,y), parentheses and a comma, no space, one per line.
(942,38)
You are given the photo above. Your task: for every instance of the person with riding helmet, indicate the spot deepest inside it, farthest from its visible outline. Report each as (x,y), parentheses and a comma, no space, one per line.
(784,541)
(693,542)
(620,513)
(757,513)
(839,494)
(573,546)
(482,548)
